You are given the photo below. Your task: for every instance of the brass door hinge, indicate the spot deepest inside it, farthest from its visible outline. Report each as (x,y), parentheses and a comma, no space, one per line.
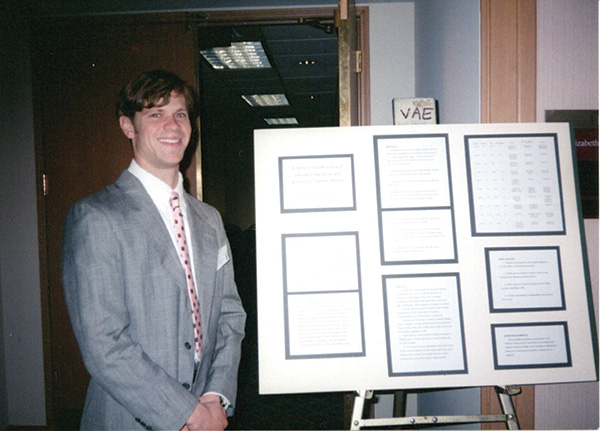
(358,58)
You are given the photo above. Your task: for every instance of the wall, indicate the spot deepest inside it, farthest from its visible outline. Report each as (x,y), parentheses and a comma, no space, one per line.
(392,76)
(392,65)
(447,68)
(567,78)
(447,34)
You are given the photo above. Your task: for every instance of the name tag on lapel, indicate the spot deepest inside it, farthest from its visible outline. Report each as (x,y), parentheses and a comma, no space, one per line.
(223,257)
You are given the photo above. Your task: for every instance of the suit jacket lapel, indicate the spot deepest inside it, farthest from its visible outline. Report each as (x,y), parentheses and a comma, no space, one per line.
(144,213)
(204,240)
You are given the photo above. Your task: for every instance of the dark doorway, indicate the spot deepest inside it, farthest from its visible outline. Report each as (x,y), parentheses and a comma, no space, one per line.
(303,59)
(302,69)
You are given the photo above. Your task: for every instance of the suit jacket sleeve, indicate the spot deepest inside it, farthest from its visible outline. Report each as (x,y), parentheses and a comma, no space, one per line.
(96,295)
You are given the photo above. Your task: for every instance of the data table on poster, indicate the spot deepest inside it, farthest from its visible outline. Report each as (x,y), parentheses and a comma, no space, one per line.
(394,257)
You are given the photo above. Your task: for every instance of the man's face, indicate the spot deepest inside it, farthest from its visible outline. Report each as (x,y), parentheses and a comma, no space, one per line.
(159,135)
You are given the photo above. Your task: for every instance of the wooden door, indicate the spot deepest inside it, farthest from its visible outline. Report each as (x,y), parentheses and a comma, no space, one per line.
(79,67)
(508,76)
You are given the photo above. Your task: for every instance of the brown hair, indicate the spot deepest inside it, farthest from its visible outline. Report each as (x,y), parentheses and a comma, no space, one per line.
(151,88)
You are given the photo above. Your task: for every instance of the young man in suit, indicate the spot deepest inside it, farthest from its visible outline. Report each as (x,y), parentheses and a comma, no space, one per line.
(154,362)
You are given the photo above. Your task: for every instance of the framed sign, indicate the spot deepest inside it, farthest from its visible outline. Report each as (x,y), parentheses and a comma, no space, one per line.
(584,124)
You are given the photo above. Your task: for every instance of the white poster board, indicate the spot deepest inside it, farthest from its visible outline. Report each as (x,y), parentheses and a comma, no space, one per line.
(400,257)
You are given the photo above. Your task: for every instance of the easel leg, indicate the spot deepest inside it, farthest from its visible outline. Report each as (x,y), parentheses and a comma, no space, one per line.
(399,404)
(359,407)
(504,396)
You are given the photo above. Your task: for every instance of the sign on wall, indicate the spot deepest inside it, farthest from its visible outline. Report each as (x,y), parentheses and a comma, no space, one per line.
(420,257)
(414,111)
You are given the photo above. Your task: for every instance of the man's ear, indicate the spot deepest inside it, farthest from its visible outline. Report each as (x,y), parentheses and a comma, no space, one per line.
(127,126)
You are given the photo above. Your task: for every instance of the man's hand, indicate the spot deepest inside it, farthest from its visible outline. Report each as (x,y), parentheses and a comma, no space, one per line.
(209,414)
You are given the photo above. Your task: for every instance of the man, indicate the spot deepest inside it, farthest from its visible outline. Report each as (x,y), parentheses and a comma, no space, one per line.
(126,285)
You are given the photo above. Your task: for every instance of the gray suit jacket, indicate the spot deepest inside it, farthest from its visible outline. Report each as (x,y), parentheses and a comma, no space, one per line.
(126,293)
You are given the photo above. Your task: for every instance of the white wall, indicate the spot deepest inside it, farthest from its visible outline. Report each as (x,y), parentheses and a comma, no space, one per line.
(392,69)
(427,49)
(392,51)
(567,78)
(447,57)
(447,62)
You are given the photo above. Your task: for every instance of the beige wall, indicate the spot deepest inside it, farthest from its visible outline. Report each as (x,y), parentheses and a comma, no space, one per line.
(567,78)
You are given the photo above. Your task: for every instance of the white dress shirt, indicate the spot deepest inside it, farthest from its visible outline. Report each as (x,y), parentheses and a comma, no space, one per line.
(160,192)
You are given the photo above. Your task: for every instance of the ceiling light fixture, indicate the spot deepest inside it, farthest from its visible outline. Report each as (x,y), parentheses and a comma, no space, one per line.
(307,62)
(281,121)
(240,55)
(258,100)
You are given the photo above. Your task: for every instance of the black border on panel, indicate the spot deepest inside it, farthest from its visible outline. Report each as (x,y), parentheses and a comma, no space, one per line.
(524,309)
(391,373)
(286,294)
(381,210)
(307,210)
(470,185)
(497,366)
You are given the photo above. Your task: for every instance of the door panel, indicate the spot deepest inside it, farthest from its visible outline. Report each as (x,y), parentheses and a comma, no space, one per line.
(508,67)
(79,67)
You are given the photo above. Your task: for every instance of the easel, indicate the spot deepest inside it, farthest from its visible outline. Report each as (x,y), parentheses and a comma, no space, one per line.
(504,396)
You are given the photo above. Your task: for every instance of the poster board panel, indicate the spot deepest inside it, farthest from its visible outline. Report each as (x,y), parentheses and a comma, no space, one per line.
(397,257)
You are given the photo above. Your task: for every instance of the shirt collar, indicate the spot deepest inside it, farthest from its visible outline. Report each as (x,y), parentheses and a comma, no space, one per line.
(159,191)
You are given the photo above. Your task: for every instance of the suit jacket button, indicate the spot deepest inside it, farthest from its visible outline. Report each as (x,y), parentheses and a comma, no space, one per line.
(186,385)
(138,420)
(187,345)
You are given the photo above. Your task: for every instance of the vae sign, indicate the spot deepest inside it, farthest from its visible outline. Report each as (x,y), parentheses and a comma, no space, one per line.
(414,111)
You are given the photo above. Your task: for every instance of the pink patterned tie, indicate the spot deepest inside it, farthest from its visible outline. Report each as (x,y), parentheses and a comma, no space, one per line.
(185,261)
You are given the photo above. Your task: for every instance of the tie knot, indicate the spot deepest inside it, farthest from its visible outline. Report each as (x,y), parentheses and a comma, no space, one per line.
(174,200)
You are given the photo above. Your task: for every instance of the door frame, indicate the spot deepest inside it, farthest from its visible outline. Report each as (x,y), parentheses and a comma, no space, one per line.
(290,16)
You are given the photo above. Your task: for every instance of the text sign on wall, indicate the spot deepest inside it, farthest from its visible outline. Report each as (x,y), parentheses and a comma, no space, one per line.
(414,111)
